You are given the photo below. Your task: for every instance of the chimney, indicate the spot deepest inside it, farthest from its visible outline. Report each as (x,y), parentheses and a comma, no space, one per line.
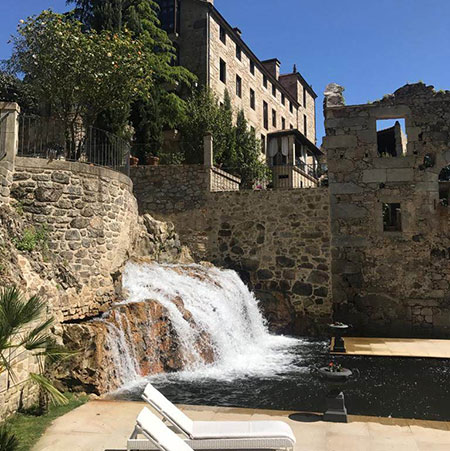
(273,66)
(237,30)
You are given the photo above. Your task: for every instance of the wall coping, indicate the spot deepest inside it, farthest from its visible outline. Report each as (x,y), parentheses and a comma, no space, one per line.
(75,167)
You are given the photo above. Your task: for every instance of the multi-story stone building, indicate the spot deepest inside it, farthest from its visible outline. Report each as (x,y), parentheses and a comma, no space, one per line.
(279,107)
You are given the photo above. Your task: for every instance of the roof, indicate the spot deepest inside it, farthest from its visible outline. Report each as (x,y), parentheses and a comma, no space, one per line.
(303,82)
(301,137)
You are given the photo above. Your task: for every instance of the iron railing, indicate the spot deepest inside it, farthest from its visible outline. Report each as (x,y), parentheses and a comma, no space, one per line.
(3,149)
(42,137)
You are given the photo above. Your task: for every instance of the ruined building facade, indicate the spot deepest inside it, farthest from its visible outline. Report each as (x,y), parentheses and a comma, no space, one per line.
(279,107)
(390,237)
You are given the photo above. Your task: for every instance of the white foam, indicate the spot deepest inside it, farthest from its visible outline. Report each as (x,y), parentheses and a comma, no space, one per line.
(223,308)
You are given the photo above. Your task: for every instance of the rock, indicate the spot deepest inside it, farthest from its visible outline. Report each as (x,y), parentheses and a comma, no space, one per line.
(334,95)
(302,289)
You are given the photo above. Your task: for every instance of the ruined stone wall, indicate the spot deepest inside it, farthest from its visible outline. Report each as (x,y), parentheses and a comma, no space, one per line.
(279,242)
(89,216)
(385,282)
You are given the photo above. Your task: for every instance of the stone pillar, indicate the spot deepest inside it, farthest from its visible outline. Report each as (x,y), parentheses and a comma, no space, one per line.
(208,150)
(9,141)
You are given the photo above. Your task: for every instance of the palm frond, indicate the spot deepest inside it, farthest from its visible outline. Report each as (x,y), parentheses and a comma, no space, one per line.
(38,337)
(8,441)
(55,395)
(15,312)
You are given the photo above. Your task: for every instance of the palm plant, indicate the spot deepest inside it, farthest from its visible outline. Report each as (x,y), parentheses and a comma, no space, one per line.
(22,330)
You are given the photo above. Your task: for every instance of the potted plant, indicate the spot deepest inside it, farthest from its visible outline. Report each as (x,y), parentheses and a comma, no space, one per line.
(335,371)
(134,161)
(152,160)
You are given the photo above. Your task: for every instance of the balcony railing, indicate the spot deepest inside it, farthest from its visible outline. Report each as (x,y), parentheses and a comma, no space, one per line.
(42,137)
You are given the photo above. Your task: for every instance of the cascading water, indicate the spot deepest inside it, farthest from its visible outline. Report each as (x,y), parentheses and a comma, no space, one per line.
(220,308)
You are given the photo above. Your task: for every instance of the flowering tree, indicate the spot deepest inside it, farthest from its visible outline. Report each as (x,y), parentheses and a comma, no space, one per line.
(80,74)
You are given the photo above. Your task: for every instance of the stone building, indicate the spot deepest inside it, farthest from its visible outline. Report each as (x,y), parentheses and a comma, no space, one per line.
(212,49)
(389,218)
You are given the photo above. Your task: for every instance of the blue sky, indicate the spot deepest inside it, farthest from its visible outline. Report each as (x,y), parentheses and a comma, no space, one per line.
(370,47)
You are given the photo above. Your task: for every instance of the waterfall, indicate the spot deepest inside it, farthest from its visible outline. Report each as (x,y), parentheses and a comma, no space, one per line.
(218,309)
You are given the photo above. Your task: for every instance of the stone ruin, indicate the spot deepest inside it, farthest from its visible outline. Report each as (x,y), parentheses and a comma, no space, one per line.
(389,213)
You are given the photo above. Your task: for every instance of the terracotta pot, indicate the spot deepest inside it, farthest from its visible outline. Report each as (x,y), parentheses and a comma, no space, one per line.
(151,160)
(134,161)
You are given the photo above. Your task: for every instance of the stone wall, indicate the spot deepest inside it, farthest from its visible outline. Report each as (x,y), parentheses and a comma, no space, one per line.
(90,217)
(279,242)
(389,282)
(170,189)
(6,178)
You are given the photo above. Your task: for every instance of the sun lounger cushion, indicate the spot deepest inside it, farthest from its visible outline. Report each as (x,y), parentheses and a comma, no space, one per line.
(168,410)
(155,430)
(242,429)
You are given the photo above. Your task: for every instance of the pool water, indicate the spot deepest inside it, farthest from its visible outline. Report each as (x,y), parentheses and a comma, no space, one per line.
(383,386)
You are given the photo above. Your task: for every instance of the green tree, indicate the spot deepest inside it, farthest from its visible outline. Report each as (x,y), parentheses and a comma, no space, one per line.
(79,75)
(225,136)
(249,166)
(163,107)
(203,117)
(12,89)
(23,330)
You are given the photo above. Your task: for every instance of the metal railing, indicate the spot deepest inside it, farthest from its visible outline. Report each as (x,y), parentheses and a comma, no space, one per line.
(42,137)
(3,149)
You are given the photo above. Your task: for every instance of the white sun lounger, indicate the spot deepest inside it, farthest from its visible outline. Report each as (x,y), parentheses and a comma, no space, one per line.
(216,435)
(156,432)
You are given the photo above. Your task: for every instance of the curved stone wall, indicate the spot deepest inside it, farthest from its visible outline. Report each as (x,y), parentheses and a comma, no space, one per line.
(90,217)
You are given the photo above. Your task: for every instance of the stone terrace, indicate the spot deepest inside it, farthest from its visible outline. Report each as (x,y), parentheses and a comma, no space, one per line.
(101,425)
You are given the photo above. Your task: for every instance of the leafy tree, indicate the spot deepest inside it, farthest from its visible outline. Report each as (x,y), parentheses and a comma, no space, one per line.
(225,136)
(163,107)
(248,151)
(203,117)
(22,329)
(12,89)
(78,74)
(236,148)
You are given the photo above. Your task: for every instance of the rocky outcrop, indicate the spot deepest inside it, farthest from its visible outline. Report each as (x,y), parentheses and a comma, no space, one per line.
(131,341)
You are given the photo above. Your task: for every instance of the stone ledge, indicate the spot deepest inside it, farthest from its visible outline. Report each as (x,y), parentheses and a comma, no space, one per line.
(24,163)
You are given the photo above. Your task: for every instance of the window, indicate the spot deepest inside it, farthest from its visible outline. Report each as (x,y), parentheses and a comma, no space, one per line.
(223,35)
(305,125)
(252,67)
(265,81)
(291,126)
(304,96)
(283,99)
(252,99)
(392,218)
(392,140)
(263,144)
(283,123)
(274,91)
(274,118)
(266,115)
(238,86)
(223,71)
(238,52)
(252,129)
(291,107)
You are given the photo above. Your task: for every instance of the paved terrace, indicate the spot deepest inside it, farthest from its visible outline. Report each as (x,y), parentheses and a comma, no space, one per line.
(398,347)
(106,425)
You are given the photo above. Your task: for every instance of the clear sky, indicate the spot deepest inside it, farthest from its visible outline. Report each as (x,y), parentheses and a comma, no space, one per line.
(371,47)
